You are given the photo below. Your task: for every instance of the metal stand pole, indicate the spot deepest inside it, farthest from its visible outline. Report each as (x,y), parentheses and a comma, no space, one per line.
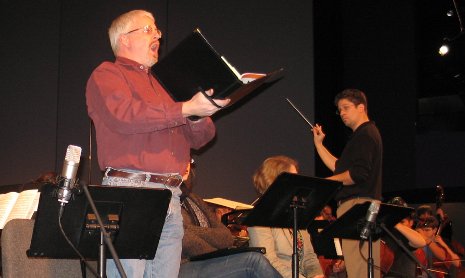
(295,255)
(102,258)
(296,204)
(371,270)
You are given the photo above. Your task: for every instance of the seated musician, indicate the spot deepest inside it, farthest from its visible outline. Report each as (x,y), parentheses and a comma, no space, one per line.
(204,233)
(278,241)
(397,262)
(241,237)
(446,232)
(436,250)
(332,268)
(326,214)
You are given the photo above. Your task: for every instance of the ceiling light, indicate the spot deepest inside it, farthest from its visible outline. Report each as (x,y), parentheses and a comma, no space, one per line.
(443,50)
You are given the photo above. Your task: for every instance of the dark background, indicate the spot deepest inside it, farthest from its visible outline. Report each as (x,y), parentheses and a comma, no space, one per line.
(386,48)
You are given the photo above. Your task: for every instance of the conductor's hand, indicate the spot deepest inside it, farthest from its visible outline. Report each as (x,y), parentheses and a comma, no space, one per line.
(200,106)
(318,134)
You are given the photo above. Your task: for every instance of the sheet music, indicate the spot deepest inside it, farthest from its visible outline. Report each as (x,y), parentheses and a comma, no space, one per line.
(228,203)
(34,206)
(337,245)
(7,202)
(24,206)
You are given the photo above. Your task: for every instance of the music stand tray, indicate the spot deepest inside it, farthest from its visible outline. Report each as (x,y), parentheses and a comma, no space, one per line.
(140,212)
(350,224)
(273,209)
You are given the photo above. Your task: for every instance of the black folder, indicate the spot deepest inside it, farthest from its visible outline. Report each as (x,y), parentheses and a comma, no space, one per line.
(194,65)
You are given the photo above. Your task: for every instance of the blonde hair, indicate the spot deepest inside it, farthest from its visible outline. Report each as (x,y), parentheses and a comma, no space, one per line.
(122,25)
(271,168)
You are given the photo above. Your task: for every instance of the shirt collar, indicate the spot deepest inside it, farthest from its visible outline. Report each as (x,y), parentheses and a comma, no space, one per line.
(132,63)
(360,127)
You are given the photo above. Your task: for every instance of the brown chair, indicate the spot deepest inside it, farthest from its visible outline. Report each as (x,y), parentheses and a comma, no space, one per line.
(15,241)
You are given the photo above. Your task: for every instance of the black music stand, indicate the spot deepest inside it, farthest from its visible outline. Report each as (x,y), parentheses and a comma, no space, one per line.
(350,224)
(292,201)
(322,245)
(133,216)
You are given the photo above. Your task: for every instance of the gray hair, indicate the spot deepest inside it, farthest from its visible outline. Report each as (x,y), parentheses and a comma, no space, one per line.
(121,25)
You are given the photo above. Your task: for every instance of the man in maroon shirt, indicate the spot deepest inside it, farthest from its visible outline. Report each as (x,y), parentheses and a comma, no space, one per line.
(144,137)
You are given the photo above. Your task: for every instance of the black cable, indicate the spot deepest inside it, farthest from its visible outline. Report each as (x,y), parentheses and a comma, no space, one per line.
(82,259)
(360,245)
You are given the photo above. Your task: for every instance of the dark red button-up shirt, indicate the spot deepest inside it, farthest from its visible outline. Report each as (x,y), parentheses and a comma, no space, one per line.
(138,125)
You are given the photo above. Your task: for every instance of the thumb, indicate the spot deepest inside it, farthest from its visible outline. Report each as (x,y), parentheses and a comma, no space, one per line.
(209,92)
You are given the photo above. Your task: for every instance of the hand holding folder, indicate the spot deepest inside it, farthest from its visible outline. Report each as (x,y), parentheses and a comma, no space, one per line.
(202,105)
(208,96)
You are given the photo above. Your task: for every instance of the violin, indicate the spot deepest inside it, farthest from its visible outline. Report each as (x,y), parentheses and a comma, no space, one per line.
(232,220)
(445,231)
(387,257)
(445,225)
(421,256)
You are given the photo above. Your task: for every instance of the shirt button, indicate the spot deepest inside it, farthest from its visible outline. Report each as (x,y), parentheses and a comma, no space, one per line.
(141,67)
(172,153)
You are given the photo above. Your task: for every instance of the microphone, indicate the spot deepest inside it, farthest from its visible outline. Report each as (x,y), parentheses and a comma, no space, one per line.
(372,213)
(68,175)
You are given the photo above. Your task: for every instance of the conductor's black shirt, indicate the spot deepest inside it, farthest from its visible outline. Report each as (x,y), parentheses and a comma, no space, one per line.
(362,157)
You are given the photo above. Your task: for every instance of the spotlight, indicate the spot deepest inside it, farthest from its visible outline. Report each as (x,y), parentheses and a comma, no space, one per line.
(443,50)
(451,44)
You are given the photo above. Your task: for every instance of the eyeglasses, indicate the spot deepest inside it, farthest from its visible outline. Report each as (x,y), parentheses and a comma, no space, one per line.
(344,108)
(147,29)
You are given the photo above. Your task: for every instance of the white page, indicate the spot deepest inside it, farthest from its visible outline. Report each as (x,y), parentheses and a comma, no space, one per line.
(34,206)
(7,201)
(23,205)
(231,67)
(228,203)
(251,76)
(337,245)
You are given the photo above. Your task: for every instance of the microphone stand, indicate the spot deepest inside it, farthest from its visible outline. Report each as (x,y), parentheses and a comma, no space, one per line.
(295,205)
(104,239)
(370,260)
(371,269)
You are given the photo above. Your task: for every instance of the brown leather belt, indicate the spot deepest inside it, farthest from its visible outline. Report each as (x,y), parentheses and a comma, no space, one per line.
(173,180)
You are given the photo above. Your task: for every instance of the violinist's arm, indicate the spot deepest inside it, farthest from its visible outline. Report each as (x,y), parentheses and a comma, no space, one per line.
(415,239)
(450,255)
(437,250)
